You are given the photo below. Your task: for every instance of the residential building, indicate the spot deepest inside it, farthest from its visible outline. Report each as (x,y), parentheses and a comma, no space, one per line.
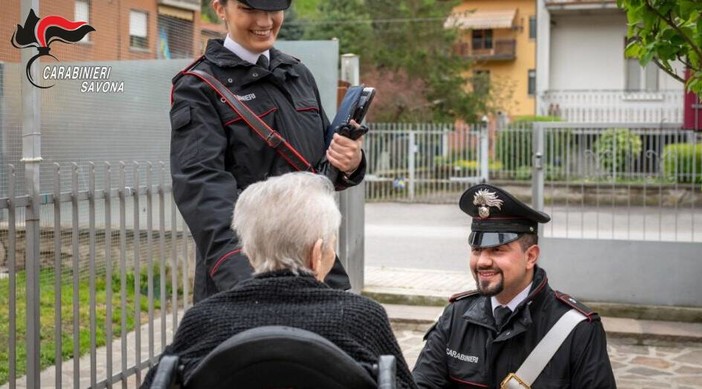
(583,74)
(124,29)
(500,38)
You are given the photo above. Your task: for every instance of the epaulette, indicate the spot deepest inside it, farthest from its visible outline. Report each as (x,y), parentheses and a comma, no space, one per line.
(575,304)
(187,68)
(462,295)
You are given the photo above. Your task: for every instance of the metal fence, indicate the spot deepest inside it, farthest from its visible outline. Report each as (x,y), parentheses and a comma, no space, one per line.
(636,181)
(423,162)
(114,259)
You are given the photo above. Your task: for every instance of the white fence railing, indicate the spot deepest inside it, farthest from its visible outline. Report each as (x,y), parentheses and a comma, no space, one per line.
(602,106)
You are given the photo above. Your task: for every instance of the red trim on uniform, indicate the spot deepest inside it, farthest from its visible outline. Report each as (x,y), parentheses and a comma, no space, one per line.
(285,143)
(564,297)
(260,116)
(307,109)
(222,259)
(172,92)
(468,382)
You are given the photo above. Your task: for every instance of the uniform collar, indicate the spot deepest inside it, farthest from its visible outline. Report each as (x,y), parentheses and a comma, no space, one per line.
(512,305)
(480,310)
(242,52)
(219,55)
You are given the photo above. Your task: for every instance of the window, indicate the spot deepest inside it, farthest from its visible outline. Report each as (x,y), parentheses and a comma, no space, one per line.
(82,14)
(481,82)
(640,78)
(482,39)
(138,37)
(531,83)
(532,27)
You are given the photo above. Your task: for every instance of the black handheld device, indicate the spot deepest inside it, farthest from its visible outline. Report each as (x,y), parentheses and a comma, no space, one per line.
(354,106)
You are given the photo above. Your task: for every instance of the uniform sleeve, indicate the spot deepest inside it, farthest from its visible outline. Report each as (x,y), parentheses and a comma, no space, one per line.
(590,362)
(431,370)
(204,190)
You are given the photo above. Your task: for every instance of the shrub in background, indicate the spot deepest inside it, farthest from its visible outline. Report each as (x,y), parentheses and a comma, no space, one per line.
(615,149)
(682,162)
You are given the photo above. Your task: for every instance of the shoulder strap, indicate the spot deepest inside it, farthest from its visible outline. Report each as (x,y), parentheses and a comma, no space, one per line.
(272,138)
(543,352)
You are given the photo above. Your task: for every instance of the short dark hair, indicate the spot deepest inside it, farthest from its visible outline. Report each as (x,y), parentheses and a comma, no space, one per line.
(527,240)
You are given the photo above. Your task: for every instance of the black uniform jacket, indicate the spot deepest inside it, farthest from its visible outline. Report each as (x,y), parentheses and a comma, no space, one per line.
(464,349)
(215,155)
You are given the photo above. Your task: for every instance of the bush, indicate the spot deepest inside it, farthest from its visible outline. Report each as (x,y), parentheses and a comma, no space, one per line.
(616,147)
(682,162)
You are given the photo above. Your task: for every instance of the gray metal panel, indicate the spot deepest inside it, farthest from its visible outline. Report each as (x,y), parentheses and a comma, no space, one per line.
(322,58)
(629,272)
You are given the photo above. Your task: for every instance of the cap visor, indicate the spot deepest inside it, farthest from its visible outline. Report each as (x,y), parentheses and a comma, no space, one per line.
(491,239)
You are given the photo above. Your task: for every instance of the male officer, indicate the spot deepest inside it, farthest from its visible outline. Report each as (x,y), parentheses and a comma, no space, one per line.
(483,337)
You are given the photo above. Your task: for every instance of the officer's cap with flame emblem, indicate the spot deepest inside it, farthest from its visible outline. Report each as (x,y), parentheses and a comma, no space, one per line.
(498,217)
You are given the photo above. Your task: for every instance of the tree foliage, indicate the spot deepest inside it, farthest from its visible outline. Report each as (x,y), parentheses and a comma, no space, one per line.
(403,46)
(665,31)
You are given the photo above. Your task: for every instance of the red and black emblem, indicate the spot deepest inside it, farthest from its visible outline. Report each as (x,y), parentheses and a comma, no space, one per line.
(40,33)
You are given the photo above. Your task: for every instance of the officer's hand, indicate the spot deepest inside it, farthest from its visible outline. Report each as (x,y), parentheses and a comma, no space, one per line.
(345,153)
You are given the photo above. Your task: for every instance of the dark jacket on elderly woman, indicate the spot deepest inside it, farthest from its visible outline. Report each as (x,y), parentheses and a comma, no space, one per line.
(356,324)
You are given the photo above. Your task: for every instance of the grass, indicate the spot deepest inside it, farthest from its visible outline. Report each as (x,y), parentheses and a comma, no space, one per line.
(47,313)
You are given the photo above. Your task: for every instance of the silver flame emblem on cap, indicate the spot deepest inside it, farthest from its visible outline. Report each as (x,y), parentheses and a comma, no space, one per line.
(485,199)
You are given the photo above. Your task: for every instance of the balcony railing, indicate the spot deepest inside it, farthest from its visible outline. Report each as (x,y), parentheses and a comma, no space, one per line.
(614,106)
(578,5)
(502,50)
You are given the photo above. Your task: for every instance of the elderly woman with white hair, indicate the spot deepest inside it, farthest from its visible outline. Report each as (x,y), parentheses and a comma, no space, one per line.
(288,226)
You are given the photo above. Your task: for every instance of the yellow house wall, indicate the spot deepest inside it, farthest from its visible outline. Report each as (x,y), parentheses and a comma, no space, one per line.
(509,79)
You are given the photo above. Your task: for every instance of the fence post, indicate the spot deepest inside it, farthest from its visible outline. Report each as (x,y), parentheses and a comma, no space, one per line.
(31,156)
(537,180)
(484,147)
(411,153)
(352,204)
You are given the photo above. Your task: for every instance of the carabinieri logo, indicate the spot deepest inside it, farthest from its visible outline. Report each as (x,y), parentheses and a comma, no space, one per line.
(40,33)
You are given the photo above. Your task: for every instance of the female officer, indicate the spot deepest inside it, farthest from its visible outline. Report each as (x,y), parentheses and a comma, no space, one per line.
(215,154)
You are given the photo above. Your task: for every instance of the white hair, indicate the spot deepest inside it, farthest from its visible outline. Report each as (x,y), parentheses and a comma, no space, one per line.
(279,220)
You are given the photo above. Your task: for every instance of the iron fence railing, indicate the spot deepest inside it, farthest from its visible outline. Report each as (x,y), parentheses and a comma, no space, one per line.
(598,170)
(113,272)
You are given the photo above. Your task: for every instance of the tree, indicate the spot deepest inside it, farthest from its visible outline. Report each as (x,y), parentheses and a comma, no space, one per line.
(291,29)
(665,31)
(404,47)
(345,20)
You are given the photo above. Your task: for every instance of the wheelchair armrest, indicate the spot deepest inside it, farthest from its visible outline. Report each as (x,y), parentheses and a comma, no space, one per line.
(387,372)
(166,373)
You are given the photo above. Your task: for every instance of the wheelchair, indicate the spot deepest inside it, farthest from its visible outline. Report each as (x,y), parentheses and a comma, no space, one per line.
(277,357)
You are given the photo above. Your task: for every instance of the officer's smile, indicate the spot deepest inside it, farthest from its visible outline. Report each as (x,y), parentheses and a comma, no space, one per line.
(488,273)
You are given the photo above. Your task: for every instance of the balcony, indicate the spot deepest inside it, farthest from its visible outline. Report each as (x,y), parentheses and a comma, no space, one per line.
(502,50)
(581,6)
(614,106)
(192,5)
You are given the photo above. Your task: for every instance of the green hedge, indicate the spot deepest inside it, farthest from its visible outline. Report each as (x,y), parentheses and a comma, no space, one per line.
(682,162)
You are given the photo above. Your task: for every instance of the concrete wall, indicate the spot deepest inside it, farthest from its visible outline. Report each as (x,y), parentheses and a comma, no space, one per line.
(627,272)
(587,53)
